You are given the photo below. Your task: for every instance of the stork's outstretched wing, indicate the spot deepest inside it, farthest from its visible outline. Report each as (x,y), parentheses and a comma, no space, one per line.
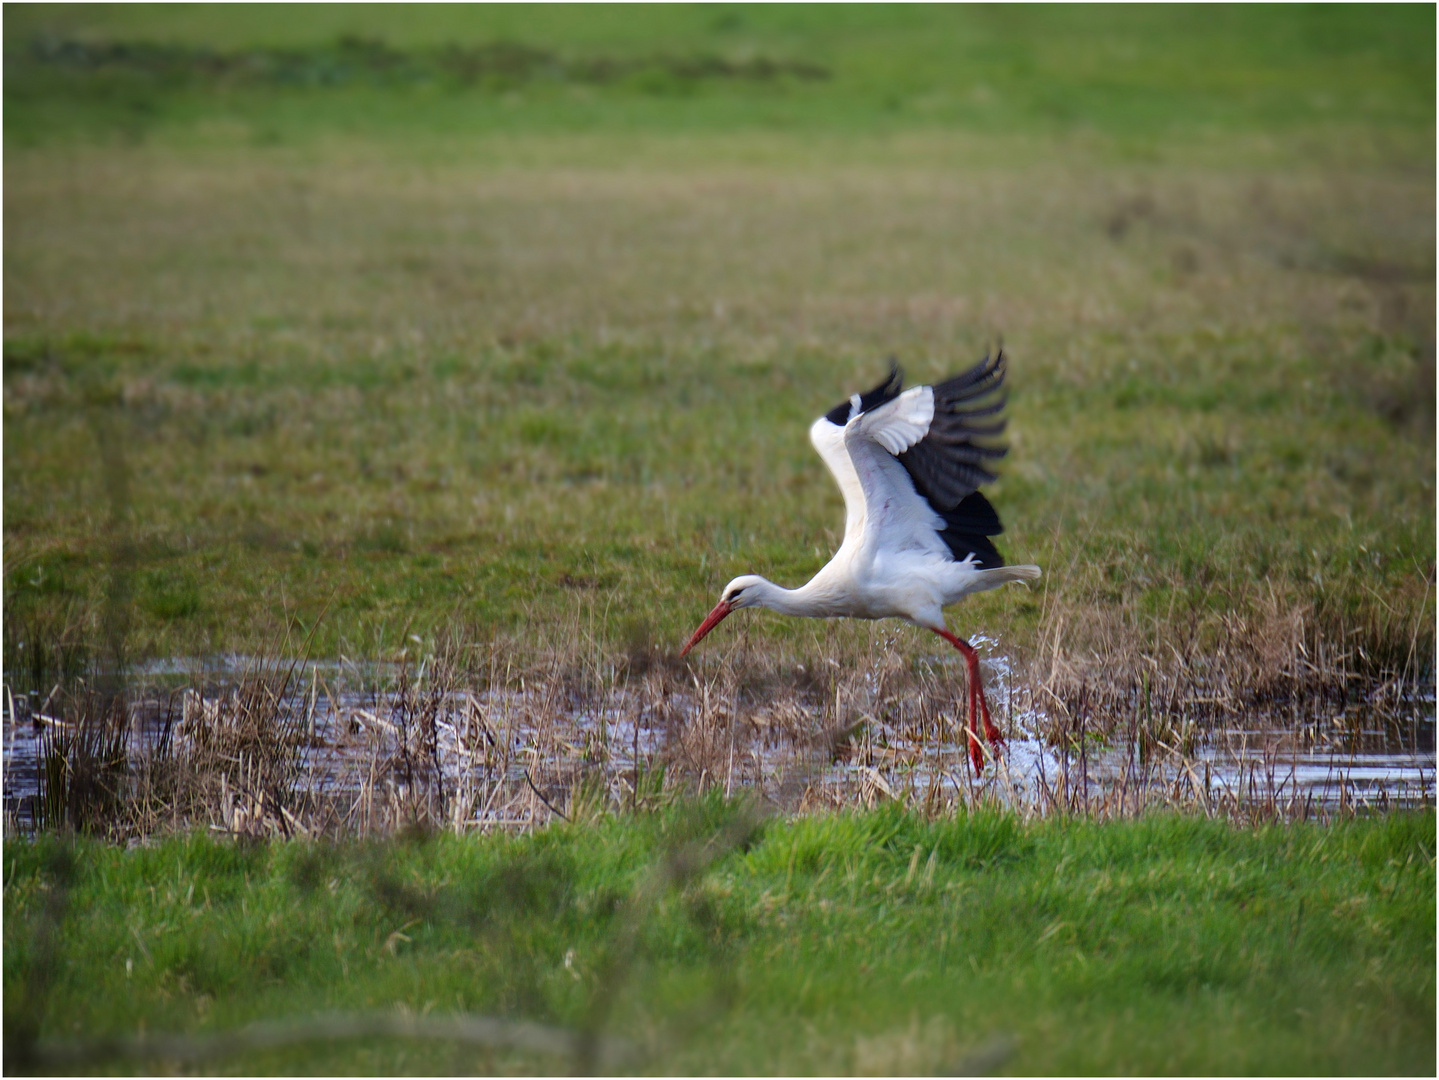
(911,462)
(919,458)
(950,464)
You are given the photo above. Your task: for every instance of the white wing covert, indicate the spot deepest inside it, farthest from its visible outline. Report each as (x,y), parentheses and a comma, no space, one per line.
(899,424)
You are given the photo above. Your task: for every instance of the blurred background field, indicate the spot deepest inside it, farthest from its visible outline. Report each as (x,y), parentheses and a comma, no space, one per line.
(468,352)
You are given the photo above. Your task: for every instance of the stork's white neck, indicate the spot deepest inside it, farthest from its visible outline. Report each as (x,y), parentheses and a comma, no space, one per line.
(812,599)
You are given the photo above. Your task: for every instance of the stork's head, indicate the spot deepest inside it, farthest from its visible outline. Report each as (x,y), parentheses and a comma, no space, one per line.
(744,591)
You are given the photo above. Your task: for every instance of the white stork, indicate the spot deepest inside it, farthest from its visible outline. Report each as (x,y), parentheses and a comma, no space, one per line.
(916,528)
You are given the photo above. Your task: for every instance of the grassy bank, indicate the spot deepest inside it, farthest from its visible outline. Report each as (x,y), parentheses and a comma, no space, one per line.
(874,943)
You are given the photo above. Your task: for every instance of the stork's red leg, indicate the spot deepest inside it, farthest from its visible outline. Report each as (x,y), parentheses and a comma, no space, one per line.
(976,752)
(991,731)
(976,690)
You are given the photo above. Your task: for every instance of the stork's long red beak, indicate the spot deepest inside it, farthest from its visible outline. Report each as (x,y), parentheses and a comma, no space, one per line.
(713,619)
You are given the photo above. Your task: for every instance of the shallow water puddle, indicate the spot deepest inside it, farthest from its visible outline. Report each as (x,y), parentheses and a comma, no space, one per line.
(517,758)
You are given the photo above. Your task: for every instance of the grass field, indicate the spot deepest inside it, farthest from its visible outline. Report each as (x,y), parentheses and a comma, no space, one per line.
(537,347)
(1163,946)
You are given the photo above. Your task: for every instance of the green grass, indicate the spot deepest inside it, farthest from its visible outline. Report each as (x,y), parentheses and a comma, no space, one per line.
(295,342)
(1127,74)
(865,942)
(410,353)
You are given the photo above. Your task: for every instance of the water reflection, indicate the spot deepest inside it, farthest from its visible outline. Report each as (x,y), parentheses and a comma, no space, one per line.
(516,758)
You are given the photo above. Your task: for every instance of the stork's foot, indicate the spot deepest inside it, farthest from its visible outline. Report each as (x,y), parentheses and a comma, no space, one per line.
(992,734)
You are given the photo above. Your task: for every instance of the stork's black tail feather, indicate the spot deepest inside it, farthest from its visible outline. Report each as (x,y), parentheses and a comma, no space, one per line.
(968,528)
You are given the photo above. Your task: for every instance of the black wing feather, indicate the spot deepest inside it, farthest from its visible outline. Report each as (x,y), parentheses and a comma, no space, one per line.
(872,399)
(948,464)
